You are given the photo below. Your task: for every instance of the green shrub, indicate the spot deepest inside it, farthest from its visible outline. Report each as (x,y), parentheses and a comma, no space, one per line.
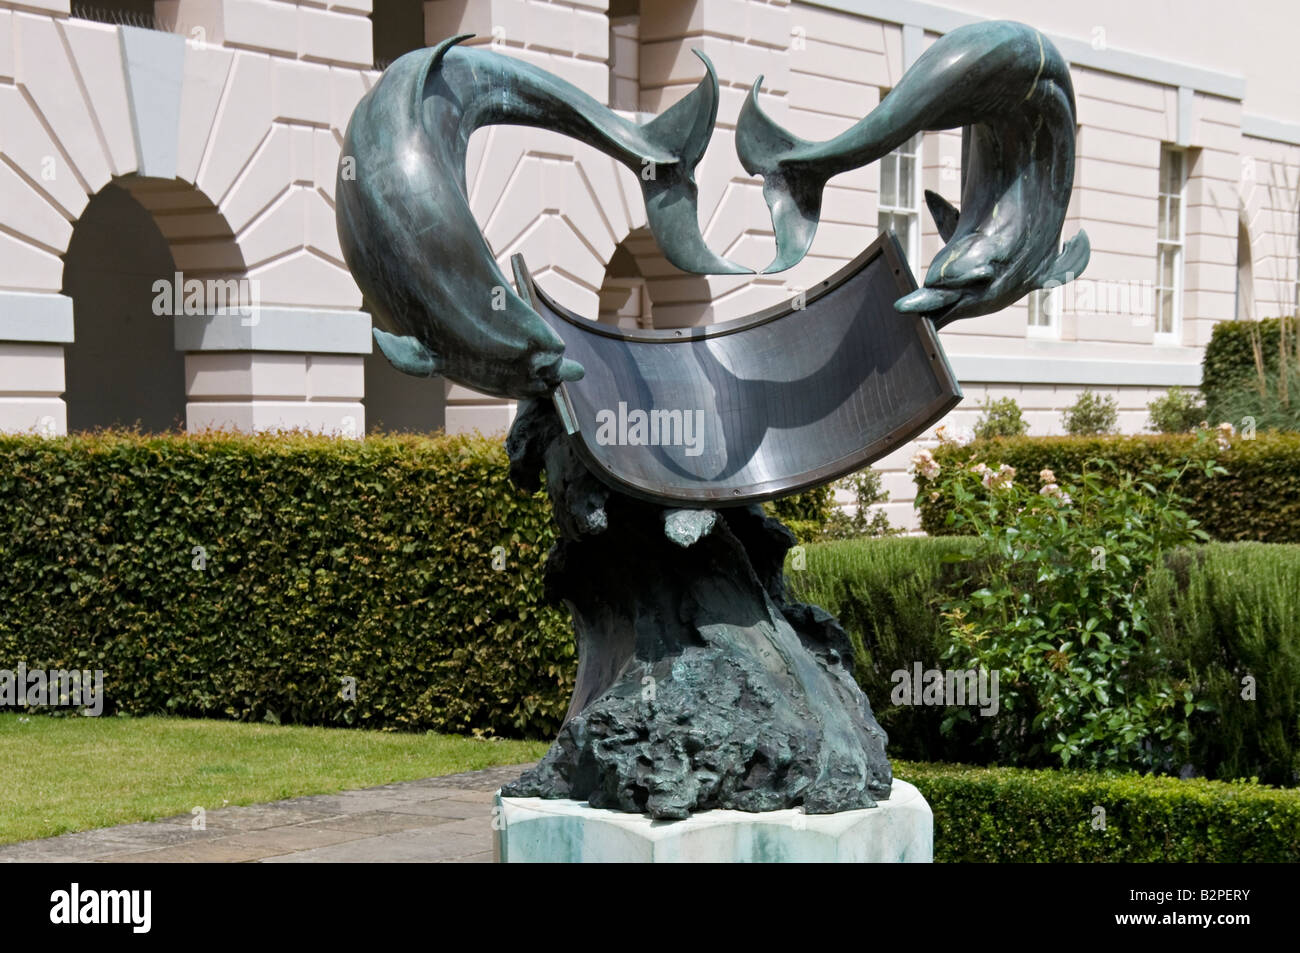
(1228,617)
(814,516)
(1010,815)
(804,514)
(320,560)
(1000,418)
(1178,411)
(1222,611)
(1270,402)
(1055,601)
(1091,414)
(867,492)
(1258,498)
(1238,350)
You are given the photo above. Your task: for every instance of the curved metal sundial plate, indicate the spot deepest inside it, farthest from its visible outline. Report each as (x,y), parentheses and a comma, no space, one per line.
(759,407)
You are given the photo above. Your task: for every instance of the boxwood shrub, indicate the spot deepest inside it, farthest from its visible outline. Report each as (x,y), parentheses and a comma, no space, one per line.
(1258,499)
(988,815)
(252,576)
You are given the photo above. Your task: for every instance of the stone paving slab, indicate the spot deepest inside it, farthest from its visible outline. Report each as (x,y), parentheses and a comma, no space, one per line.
(432,820)
(426,846)
(380,822)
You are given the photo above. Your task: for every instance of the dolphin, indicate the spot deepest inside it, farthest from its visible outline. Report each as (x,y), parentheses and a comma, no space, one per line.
(1008,88)
(440,303)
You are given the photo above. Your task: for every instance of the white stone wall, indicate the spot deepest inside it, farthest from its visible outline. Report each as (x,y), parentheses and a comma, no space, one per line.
(229,132)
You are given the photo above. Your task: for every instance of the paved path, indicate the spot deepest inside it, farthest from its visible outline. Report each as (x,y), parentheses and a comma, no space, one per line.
(446,819)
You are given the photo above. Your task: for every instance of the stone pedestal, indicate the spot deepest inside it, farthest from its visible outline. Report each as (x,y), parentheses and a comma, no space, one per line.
(535,830)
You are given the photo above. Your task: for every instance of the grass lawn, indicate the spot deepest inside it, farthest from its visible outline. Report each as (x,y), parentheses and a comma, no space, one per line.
(69,774)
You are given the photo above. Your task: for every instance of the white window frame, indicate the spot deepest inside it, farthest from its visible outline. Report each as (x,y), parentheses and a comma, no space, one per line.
(912,213)
(1172,245)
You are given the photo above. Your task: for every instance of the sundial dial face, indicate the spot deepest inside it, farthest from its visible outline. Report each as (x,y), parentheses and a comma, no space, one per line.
(760,407)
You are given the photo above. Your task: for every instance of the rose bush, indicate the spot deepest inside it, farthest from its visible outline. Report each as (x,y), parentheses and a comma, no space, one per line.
(1053,598)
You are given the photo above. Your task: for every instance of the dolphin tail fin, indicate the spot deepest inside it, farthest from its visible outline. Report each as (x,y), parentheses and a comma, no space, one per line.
(793,193)
(408,355)
(671,197)
(943,212)
(1072,260)
(685,128)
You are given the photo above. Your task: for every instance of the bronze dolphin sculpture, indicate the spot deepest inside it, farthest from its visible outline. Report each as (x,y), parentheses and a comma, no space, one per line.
(1008,88)
(442,305)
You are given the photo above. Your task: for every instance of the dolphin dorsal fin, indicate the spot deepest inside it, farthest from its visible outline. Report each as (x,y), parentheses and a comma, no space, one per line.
(408,355)
(943,212)
(1072,260)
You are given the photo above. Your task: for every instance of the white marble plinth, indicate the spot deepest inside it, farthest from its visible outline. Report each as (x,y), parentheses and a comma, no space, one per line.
(535,830)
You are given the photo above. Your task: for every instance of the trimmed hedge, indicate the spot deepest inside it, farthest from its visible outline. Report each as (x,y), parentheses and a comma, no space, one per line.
(1230,359)
(987,815)
(324,559)
(1258,499)
(1220,612)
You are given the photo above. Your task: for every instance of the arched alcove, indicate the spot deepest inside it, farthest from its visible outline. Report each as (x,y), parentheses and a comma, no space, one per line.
(1245,274)
(642,289)
(122,368)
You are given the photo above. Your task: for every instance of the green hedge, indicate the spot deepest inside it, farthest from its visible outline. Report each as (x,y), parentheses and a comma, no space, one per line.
(989,815)
(325,559)
(1230,358)
(1221,612)
(1258,499)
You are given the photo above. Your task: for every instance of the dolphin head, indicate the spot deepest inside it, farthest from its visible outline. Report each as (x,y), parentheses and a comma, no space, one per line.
(966,278)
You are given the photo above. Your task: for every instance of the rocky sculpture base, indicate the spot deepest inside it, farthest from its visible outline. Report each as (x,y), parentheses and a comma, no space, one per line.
(534,830)
(699,685)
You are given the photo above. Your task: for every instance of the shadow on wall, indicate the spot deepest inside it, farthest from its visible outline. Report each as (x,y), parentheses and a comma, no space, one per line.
(397,27)
(122,368)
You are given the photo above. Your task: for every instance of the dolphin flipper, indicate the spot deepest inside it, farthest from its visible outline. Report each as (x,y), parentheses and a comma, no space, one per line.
(407,354)
(1072,260)
(943,212)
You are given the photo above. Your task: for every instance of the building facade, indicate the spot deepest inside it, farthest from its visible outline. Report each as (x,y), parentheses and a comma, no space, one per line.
(168,251)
